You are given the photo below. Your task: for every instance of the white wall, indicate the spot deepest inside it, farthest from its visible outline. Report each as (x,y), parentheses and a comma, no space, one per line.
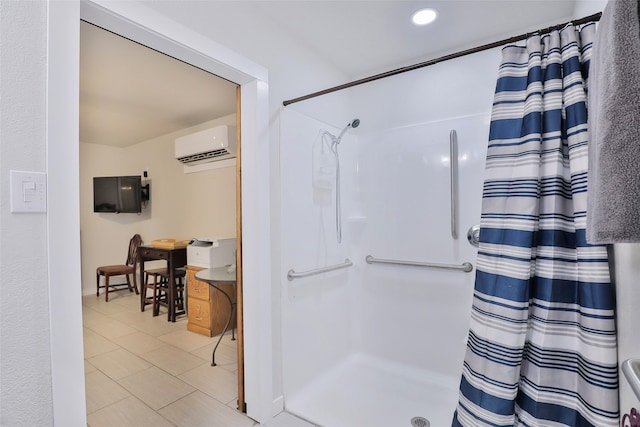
(25,374)
(182,206)
(584,8)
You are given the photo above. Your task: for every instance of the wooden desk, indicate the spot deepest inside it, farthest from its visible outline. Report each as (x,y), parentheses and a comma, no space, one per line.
(215,277)
(175,258)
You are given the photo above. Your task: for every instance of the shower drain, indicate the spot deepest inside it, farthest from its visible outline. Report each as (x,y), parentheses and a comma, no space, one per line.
(420,422)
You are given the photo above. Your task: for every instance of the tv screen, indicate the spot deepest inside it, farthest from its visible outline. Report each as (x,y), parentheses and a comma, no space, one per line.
(119,194)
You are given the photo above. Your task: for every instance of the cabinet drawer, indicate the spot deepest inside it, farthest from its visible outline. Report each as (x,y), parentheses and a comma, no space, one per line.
(198,289)
(199,312)
(151,254)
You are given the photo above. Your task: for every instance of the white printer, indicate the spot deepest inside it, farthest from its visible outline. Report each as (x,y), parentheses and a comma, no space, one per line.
(211,253)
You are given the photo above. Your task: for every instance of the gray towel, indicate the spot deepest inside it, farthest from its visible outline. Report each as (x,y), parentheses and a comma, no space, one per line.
(613,199)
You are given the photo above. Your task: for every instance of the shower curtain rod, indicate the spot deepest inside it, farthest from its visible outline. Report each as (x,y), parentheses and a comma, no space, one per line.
(587,19)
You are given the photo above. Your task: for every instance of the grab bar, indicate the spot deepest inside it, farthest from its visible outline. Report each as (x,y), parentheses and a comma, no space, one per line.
(631,370)
(291,274)
(465,266)
(453,163)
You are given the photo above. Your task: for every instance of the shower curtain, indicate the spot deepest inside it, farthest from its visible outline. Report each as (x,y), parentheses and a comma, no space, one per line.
(541,348)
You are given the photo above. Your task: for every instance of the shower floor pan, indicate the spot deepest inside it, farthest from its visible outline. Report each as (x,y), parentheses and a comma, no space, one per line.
(364,391)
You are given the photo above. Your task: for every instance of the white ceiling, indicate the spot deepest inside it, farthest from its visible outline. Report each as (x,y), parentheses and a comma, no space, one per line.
(129,93)
(365,37)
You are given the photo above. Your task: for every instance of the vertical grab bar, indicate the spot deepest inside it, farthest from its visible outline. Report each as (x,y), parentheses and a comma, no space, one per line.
(453,159)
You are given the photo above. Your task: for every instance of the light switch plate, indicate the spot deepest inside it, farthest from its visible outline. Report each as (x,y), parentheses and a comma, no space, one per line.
(28,192)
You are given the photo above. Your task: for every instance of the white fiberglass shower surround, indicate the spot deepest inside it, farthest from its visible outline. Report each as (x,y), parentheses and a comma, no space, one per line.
(375,344)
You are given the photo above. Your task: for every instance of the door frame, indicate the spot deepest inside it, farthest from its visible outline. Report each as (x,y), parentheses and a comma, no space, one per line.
(140,24)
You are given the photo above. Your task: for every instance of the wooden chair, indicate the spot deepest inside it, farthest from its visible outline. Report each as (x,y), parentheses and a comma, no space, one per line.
(153,286)
(160,291)
(129,268)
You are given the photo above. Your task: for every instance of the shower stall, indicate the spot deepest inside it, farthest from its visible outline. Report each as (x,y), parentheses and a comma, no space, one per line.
(375,317)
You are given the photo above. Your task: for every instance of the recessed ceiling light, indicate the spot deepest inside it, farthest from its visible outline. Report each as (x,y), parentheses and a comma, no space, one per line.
(424,16)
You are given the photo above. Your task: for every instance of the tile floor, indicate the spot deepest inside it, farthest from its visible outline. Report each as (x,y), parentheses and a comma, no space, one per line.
(142,371)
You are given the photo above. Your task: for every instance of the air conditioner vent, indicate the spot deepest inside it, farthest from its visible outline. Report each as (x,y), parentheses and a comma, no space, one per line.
(209,145)
(209,155)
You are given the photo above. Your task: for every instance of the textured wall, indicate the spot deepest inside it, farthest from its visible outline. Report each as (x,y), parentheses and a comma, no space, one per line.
(25,358)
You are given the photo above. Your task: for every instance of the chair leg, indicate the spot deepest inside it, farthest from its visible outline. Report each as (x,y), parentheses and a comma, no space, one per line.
(143,288)
(97,284)
(106,288)
(178,299)
(156,296)
(179,303)
(128,282)
(171,308)
(180,295)
(135,282)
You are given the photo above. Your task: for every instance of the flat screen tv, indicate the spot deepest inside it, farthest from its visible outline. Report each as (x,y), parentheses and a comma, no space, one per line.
(118,194)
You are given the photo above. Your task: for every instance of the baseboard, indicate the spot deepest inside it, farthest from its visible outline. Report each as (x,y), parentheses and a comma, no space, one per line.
(277,406)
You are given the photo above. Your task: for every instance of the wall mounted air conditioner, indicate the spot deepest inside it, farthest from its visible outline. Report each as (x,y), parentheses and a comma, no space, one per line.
(209,145)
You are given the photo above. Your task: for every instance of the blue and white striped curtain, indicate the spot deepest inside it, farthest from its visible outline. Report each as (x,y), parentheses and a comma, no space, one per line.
(542,342)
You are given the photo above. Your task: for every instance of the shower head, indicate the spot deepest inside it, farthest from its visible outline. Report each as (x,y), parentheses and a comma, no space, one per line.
(352,124)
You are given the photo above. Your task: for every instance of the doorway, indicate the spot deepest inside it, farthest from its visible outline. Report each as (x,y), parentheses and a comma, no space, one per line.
(130,21)
(131,98)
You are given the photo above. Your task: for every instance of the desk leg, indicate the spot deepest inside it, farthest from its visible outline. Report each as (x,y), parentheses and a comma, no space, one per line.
(143,288)
(171,315)
(226,327)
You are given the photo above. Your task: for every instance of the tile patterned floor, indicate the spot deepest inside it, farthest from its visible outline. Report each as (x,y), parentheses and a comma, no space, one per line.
(143,371)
